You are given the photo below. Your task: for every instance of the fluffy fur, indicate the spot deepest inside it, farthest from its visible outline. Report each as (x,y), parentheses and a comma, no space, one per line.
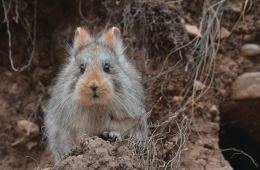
(72,111)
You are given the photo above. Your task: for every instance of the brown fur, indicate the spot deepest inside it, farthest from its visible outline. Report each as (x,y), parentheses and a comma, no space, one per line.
(82,37)
(104,89)
(109,36)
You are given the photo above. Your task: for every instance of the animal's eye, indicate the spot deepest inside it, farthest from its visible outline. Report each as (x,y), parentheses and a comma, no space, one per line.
(82,68)
(106,67)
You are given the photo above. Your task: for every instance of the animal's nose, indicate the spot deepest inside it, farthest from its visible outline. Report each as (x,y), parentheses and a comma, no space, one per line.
(94,87)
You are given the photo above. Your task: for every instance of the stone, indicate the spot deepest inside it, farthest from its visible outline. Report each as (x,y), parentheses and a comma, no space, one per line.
(224,33)
(246,86)
(198,85)
(192,30)
(250,49)
(214,110)
(27,127)
(31,145)
(177,99)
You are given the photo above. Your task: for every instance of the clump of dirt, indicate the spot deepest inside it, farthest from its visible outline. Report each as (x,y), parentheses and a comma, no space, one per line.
(99,154)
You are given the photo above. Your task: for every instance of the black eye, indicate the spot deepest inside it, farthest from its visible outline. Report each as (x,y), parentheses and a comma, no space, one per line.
(82,68)
(106,67)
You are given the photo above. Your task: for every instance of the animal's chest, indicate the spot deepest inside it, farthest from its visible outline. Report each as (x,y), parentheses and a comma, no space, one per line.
(92,124)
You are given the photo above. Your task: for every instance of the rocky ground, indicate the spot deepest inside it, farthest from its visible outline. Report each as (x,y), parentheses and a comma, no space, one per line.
(231,98)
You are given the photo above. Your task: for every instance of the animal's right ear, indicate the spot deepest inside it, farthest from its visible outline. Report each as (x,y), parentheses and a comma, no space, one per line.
(81,37)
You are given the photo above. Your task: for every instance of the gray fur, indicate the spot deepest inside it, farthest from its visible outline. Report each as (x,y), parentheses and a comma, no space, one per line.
(66,119)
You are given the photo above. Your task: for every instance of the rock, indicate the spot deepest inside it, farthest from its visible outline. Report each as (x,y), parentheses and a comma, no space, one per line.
(214,110)
(192,30)
(246,86)
(27,127)
(198,85)
(224,33)
(31,145)
(250,49)
(177,99)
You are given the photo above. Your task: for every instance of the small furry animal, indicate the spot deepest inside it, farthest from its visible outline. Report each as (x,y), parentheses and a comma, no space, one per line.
(97,92)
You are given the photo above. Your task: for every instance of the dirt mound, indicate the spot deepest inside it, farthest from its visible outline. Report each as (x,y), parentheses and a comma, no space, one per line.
(99,154)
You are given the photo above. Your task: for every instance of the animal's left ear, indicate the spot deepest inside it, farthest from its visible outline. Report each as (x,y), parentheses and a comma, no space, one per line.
(81,37)
(112,37)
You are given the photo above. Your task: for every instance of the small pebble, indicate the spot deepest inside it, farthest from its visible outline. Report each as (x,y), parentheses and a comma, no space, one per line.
(192,30)
(198,85)
(250,50)
(27,127)
(224,33)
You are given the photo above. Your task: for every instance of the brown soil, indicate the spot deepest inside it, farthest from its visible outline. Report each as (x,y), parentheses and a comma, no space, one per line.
(23,94)
(99,154)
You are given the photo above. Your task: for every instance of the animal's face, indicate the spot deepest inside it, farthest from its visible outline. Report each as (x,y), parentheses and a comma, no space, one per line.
(97,67)
(96,60)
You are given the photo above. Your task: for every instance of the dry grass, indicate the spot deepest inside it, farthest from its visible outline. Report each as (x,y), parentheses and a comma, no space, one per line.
(162,34)
(246,7)
(200,59)
(7,7)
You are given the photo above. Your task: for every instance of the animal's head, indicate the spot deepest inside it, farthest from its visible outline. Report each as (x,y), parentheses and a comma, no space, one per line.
(97,61)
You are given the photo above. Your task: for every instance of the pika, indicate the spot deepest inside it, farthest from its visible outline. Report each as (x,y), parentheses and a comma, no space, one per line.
(98,91)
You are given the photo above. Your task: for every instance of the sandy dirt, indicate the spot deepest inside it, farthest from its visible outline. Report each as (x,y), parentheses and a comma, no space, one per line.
(23,94)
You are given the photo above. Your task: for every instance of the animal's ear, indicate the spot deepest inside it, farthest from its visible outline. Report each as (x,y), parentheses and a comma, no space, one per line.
(81,37)
(112,37)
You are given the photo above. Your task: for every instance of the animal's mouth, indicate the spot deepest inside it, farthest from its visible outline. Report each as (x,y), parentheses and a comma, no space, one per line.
(95,96)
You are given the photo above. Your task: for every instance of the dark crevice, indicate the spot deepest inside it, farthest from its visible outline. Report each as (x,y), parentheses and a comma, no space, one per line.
(233,136)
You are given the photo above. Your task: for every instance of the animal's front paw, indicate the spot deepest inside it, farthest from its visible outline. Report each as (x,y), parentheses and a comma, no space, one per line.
(111,136)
